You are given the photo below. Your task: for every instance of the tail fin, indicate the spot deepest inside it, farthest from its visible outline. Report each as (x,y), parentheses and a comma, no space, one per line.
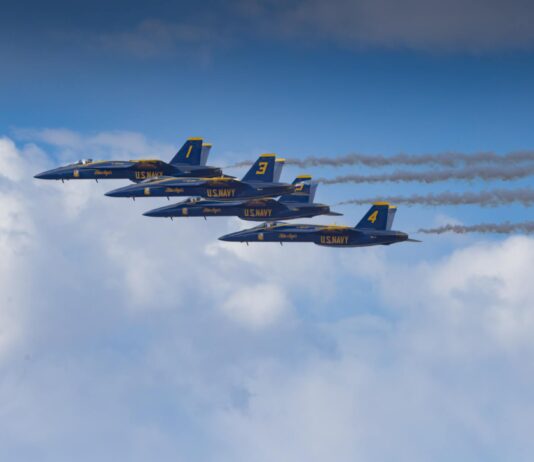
(278,167)
(190,153)
(304,192)
(391,216)
(262,170)
(376,217)
(204,154)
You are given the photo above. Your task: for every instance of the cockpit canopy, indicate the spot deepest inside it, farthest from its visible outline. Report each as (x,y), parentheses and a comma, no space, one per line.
(84,161)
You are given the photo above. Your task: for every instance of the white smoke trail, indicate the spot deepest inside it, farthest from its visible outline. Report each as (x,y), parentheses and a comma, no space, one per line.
(486,173)
(491,198)
(445,159)
(526,227)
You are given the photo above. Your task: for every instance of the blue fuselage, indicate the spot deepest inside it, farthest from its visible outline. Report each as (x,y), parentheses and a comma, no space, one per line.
(252,210)
(135,171)
(330,236)
(219,189)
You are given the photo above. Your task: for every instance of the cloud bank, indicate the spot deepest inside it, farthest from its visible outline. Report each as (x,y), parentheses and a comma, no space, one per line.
(128,338)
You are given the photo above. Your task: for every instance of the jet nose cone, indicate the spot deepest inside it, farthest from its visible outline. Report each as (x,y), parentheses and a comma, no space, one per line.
(232,237)
(114,193)
(228,237)
(48,175)
(164,212)
(125,191)
(154,213)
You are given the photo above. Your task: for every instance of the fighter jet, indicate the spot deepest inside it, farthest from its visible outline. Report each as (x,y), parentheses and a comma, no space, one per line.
(373,229)
(258,182)
(189,161)
(298,204)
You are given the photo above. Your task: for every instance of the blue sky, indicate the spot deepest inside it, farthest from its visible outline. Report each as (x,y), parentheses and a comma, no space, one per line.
(123,337)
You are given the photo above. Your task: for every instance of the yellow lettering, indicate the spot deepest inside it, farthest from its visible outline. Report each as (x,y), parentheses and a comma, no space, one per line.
(252,213)
(220,193)
(373,216)
(189,152)
(262,168)
(289,236)
(144,174)
(334,240)
(174,190)
(213,210)
(103,172)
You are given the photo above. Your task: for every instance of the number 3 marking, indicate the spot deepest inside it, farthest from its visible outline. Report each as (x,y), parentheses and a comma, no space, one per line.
(263,168)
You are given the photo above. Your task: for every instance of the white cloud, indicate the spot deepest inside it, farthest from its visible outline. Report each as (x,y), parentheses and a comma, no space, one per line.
(169,342)
(71,146)
(257,306)
(10,162)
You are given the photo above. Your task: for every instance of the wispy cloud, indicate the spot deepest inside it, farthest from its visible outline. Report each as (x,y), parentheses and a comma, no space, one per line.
(432,25)
(153,38)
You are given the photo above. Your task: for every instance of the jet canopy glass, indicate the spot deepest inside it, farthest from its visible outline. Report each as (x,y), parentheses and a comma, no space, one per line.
(84,162)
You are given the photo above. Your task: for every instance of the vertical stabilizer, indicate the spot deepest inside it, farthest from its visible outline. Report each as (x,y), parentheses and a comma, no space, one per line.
(376,217)
(391,216)
(278,167)
(204,154)
(262,170)
(304,191)
(189,154)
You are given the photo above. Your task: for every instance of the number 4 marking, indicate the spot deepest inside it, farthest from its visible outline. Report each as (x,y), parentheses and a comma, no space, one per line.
(373,216)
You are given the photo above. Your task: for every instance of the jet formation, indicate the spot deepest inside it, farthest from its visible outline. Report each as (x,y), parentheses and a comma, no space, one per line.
(258,196)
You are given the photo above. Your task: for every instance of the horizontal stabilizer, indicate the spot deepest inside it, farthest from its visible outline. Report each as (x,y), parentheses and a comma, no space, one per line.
(412,240)
(334,214)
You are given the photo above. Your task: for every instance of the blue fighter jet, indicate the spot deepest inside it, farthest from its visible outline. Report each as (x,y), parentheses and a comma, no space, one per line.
(260,181)
(189,161)
(298,204)
(373,229)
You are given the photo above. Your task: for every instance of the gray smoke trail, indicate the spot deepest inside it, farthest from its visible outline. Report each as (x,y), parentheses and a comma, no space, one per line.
(526,227)
(492,198)
(446,159)
(504,173)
